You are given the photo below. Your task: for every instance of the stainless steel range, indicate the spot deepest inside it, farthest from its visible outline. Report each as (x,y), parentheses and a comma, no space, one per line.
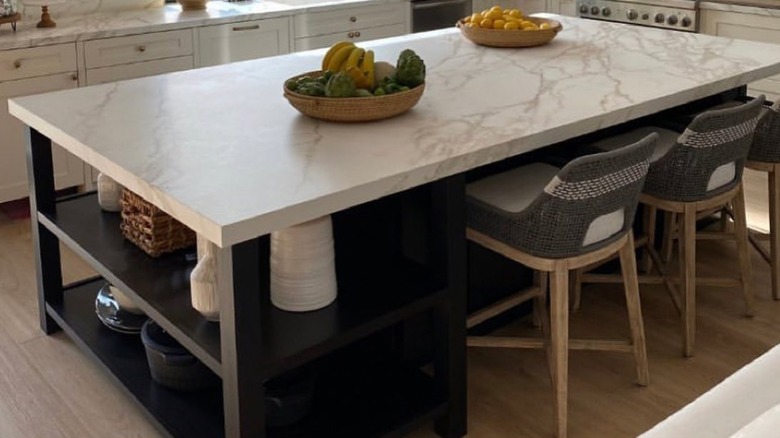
(679,15)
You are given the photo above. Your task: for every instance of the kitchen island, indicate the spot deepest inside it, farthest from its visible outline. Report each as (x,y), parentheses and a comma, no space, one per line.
(221,150)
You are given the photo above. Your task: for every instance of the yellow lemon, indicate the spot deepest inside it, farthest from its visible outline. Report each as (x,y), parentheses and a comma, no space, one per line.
(484,13)
(499,24)
(545,26)
(531,27)
(497,8)
(515,13)
(494,14)
(511,25)
(467,19)
(486,23)
(476,17)
(471,25)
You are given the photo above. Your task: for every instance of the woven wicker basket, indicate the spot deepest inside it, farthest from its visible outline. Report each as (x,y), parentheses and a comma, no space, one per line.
(151,229)
(353,109)
(512,38)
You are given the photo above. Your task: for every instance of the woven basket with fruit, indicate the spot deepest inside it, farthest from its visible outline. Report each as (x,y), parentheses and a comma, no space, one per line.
(351,87)
(496,27)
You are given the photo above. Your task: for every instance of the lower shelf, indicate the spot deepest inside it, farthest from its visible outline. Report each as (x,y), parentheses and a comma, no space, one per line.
(355,396)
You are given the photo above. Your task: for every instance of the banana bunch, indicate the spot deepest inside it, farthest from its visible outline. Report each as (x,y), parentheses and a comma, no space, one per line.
(356,62)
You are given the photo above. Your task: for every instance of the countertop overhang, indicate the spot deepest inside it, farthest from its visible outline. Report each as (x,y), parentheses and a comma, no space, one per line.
(221,150)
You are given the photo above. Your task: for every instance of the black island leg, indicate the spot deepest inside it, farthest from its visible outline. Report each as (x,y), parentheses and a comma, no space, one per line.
(48,271)
(242,276)
(449,259)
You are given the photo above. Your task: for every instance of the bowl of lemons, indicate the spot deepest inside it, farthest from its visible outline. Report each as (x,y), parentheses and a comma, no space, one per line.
(498,27)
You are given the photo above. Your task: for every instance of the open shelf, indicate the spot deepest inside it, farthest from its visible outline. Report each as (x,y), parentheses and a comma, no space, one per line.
(367,302)
(123,356)
(354,397)
(160,286)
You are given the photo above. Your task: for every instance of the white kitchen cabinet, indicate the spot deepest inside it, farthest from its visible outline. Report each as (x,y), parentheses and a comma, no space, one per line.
(244,40)
(562,7)
(68,170)
(749,27)
(138,69)
(137,48)
(321,29)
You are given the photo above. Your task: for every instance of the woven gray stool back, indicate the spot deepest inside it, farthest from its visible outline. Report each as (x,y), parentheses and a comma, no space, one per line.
(766,141)
(713,139)
(555,224)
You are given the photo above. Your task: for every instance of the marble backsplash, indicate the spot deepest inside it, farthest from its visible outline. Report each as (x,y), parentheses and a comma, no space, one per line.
(82,7)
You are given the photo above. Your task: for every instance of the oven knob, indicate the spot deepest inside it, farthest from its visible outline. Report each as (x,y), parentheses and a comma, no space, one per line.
(659,18)
(686,21)
(594,10)
(584,9)
(645,16)
(631,14)
(672,20)
(606,11)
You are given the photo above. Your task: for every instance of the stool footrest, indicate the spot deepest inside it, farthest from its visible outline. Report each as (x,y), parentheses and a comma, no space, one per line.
(574,344)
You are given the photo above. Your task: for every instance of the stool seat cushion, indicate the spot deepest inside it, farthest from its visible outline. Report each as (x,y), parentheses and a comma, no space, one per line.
(514,190)
(667,139)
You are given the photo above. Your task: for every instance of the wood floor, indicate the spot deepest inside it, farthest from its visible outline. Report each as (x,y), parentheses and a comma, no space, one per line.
(49,389)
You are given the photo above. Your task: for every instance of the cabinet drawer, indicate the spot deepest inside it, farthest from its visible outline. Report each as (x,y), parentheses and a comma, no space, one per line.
(37,61)
(344,20)
(137,48)
(242,41)
(356,35)
(138,70)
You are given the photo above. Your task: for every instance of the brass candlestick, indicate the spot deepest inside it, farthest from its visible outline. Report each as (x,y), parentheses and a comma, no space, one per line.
(46,20)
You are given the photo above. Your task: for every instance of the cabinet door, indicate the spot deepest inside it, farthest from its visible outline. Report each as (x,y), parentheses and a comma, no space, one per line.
(748,27)
(137,48)
(68,170)
(526,6)
(242,41)
(356,35)
(567,7)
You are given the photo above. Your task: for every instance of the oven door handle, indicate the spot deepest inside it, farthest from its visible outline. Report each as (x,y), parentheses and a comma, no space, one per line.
(427,5)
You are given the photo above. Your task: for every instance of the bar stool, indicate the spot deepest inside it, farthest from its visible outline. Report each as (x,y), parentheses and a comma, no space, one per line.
(698,172)
(554,221)
(764,156)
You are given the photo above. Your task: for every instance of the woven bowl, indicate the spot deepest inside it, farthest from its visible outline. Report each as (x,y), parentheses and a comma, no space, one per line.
(512,38)
(353,109)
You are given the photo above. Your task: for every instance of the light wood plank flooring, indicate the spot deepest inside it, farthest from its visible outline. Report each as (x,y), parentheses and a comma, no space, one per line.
(49,389)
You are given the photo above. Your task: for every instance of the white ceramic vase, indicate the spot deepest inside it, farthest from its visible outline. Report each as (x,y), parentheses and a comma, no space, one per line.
(203,281)
(303,268)
(109,193)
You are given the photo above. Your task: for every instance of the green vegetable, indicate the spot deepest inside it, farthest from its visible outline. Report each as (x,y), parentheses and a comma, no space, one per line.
(410,70)
(311,88)
(291,85)
(325,77)
(393,88)
(379,91)
(340,85)
(362,92)
(404,88)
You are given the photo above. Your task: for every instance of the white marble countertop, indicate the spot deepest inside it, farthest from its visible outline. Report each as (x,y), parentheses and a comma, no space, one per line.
(221,150)
(756,7)
(169,17)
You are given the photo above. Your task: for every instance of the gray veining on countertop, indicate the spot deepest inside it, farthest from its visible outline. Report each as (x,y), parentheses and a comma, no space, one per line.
(232,159)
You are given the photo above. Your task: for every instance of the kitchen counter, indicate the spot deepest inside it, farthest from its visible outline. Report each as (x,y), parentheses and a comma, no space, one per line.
(233,160)
(169,17)
(756,7)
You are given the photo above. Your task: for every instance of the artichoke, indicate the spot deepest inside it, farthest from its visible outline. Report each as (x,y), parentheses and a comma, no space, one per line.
(311,88)
(340,85)
(410,70)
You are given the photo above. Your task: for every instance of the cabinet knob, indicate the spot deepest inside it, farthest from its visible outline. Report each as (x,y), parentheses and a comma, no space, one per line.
(74,76)
(17,64)
(351,35)
(357,34)
(353,19)
(141,49)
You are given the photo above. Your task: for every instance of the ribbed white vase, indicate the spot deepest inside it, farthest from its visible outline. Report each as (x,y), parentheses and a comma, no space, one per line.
(303,266)
(109,193)
(203,281)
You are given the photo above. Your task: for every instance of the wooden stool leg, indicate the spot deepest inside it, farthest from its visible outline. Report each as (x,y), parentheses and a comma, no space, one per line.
(649,228)
(576,288)
(559,343)
(687,254)
(743,250)
(774,232)
(540,315)
(633,304)
(667,246)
